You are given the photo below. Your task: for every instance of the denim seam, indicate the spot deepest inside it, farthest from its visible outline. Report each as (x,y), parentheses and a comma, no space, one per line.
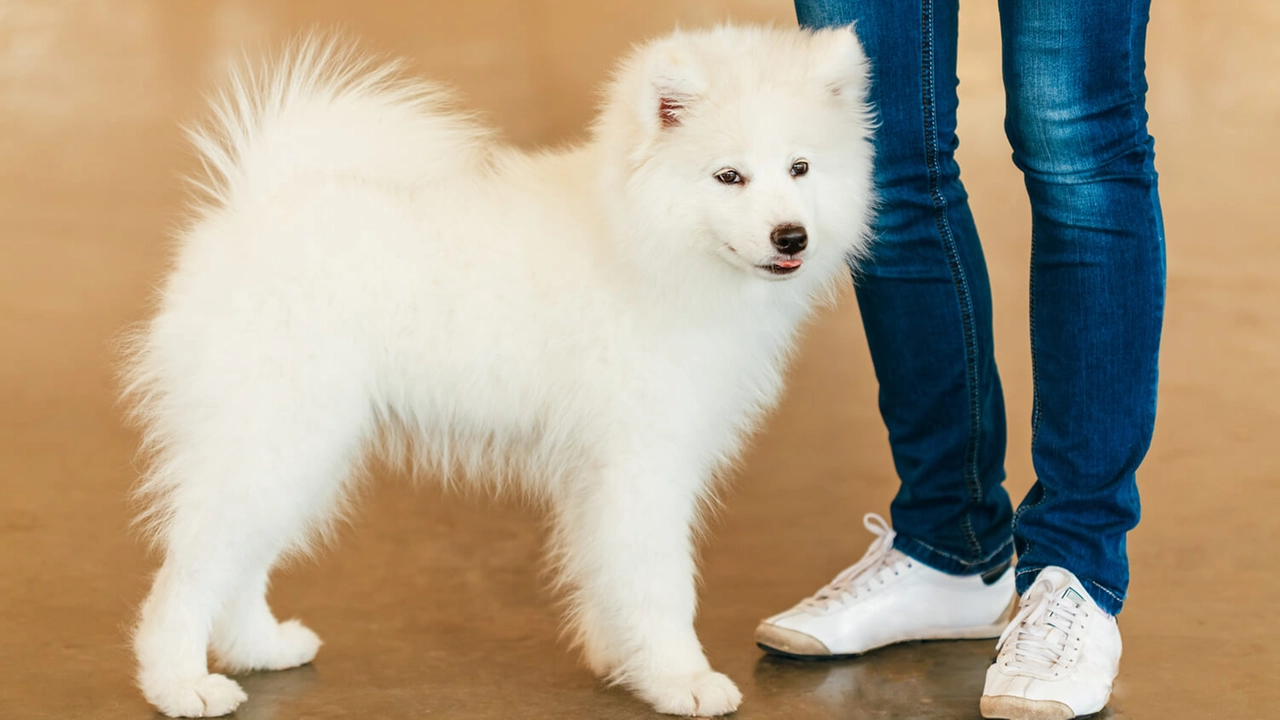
(1035,360)
(966,563)
(1095,586)
(959,279)
(1035,393)
(1091,585)
(1133,96)
(1028,547)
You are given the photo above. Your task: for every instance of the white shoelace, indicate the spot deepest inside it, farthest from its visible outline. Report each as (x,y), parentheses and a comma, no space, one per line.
(861,574)
(1042,630)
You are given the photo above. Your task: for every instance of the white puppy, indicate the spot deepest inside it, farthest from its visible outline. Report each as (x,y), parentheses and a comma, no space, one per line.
(603,324)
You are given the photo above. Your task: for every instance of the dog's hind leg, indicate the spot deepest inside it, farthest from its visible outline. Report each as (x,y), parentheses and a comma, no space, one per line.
(247,636)
(251,482)
(626,547)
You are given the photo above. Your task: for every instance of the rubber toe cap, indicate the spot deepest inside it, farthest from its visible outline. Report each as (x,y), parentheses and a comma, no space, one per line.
(789,642)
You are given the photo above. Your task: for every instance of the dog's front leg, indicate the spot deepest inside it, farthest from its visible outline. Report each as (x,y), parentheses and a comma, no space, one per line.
(626,544)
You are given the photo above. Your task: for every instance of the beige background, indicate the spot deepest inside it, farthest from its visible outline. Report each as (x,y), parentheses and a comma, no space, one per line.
(432,605)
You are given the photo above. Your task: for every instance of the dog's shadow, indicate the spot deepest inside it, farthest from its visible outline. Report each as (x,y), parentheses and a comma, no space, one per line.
(271,693)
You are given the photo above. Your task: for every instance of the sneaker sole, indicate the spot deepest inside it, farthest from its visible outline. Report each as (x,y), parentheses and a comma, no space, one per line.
(1010,707)
(793,644)
(780,647)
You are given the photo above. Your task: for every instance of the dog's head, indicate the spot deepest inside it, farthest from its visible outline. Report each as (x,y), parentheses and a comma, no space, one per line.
(750,146)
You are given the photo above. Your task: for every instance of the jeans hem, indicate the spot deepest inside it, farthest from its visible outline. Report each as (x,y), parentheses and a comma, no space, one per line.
(938,560)
(1110,602)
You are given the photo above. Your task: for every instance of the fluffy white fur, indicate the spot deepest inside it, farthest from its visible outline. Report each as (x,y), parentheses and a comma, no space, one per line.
(595,324)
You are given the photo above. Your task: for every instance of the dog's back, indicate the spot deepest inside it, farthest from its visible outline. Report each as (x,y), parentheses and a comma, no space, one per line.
(382,254)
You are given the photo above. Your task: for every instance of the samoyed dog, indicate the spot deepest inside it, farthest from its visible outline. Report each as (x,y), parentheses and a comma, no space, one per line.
(600,326)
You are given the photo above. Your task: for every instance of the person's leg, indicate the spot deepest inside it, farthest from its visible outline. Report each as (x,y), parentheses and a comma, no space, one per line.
(924,295)
(942,570)
(1076,119)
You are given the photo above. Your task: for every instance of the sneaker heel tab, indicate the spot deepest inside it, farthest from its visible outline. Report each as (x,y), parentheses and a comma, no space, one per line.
(993,575)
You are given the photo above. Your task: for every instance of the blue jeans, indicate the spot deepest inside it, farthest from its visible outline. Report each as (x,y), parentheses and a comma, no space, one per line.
(1076,119)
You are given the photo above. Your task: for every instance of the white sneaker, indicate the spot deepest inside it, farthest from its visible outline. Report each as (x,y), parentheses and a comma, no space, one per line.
(1058,657)
(889,598)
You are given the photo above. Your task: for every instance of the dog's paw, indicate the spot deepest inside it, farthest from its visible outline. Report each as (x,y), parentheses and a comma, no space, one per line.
(206,696)
(290,645)
(295,644)
(703,694)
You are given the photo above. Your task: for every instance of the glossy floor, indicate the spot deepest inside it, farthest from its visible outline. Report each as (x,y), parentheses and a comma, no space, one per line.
(432,605)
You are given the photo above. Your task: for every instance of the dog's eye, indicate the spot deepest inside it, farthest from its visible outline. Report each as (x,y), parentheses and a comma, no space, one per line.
(729,177)
(798,168)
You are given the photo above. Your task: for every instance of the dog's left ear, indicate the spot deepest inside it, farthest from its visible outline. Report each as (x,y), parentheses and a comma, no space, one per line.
(675,82)
(842,67)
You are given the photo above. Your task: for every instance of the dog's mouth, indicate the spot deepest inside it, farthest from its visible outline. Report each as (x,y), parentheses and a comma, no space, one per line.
(782,266)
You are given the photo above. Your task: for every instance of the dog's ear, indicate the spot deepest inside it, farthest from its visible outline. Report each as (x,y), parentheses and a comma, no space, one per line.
(842,67)
(675,82)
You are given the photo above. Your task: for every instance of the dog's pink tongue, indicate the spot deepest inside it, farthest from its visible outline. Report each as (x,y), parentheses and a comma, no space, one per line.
(788,263)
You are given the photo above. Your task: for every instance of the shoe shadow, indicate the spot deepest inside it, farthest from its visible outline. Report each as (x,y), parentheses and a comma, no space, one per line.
(913,680)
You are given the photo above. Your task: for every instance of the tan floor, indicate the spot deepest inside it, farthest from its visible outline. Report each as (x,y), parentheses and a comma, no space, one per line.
(90,94)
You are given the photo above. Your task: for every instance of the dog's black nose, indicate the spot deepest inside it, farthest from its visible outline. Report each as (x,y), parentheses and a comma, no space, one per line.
(789,239)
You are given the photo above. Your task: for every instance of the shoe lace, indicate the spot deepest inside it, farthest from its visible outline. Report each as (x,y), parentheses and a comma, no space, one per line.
(862,573)
(1041,631)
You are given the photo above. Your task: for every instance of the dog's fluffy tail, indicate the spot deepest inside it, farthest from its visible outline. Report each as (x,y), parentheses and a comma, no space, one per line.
(324,108)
